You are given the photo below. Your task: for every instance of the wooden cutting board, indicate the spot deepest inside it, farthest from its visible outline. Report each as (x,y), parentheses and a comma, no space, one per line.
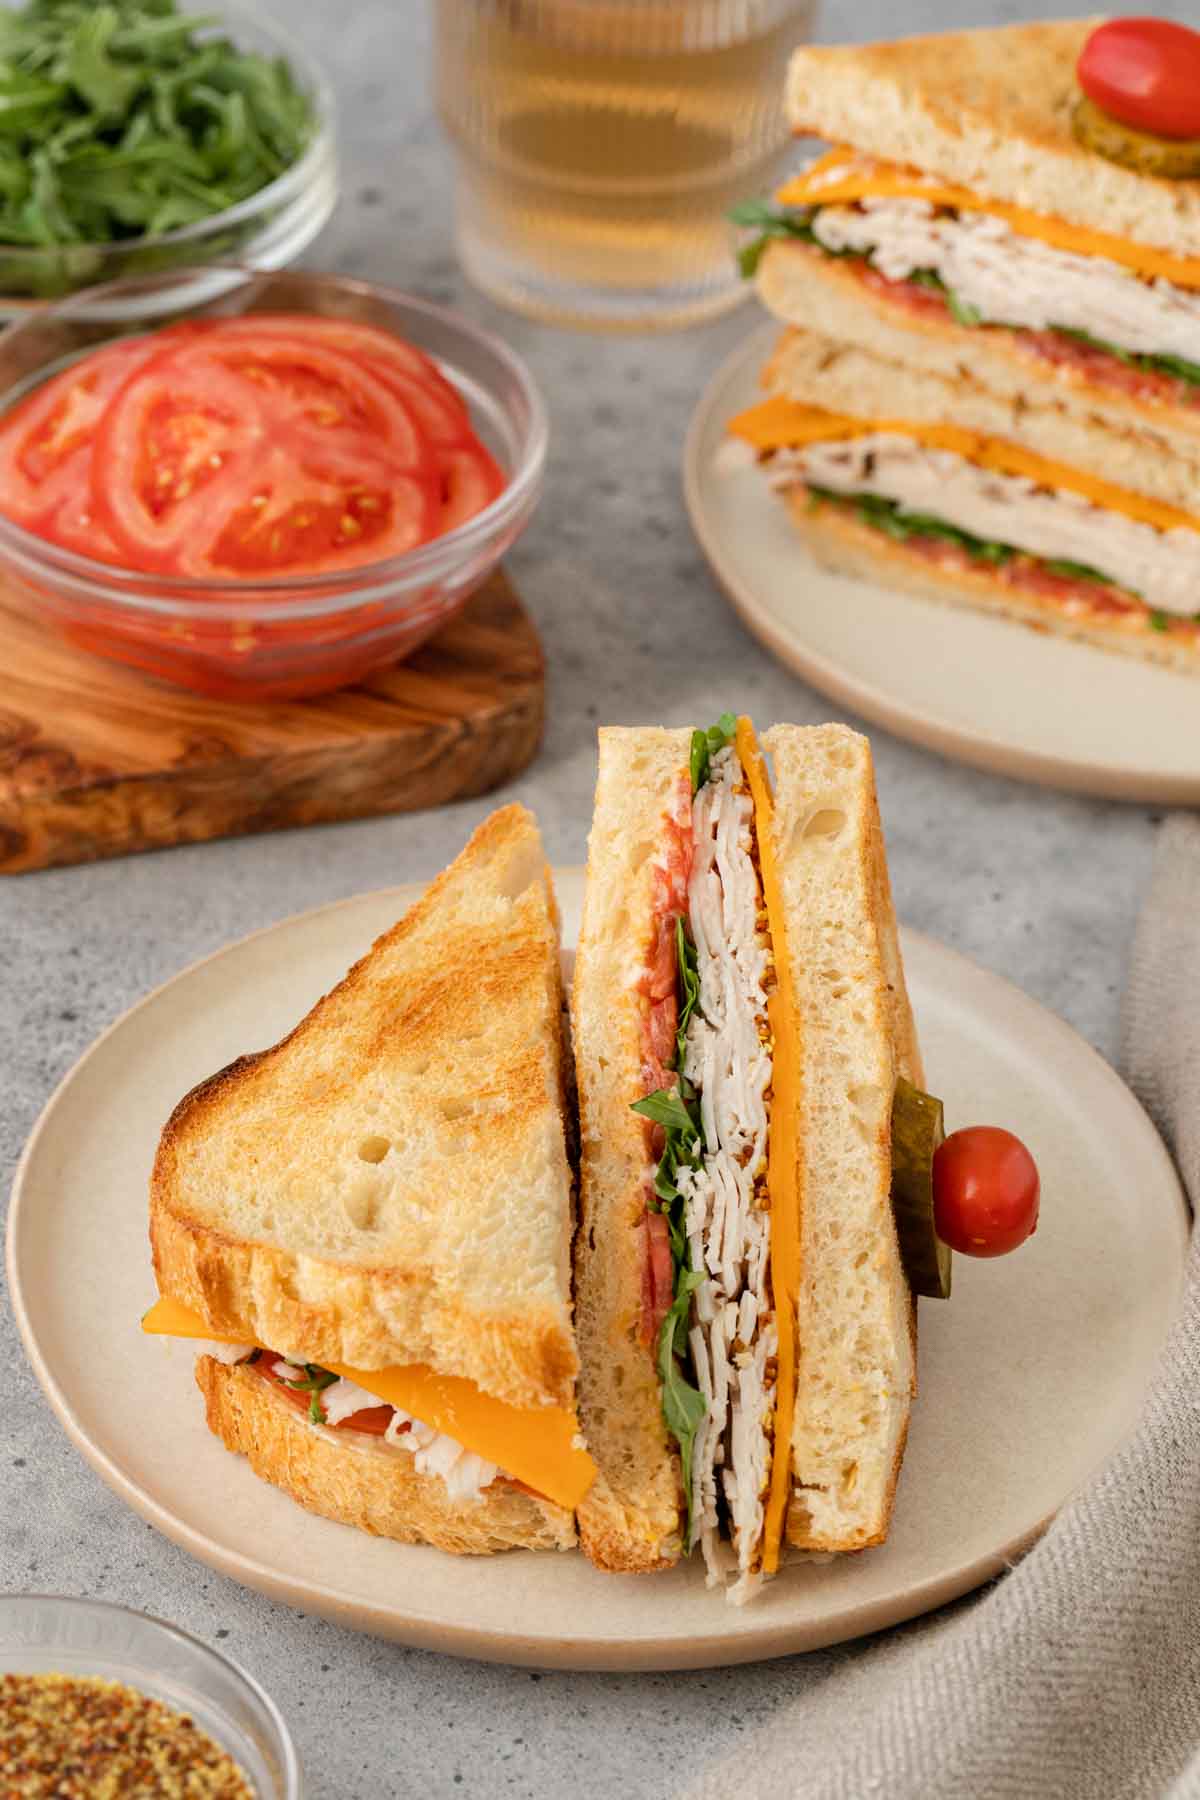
(97,761)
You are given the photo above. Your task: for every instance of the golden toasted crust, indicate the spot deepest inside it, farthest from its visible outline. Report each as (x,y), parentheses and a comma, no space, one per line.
(362,1482)
(389,1183)
(804,287)
(842,543)
(989,110)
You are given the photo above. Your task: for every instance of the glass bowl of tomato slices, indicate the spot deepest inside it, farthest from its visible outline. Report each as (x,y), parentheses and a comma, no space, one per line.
(269,493)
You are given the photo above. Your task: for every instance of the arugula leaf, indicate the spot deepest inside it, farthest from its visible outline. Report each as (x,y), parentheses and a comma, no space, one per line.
(315,1381)
(962,310)
(699,761)
(667,1106)
(763,214)
(1177,366)
(1160,621)
(889,517)
(1061,565)
(958,308)
(770,223)
(706,745)
(1093,343)
(684,1406)
(686,963)
(107,86)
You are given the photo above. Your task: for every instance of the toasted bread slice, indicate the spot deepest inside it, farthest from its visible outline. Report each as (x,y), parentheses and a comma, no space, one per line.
(989,110)
(1159,437)
(362,1481)
(631,1519)
(842,543)
(854,379)
(389,1184)
(855,1316)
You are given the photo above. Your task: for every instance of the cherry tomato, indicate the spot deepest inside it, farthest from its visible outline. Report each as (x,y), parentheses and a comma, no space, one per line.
(985,1191)
(1146,73)
(237,455)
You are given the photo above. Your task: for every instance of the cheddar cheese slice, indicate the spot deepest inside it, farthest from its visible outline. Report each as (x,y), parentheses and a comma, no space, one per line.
(539,1445)
(783,424)
(843,176)
(783,1153)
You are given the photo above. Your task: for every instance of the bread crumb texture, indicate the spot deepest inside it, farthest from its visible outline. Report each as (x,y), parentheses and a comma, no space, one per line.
(82,1738)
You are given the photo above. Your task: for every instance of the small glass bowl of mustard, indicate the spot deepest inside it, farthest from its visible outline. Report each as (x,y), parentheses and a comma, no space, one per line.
(51,1634)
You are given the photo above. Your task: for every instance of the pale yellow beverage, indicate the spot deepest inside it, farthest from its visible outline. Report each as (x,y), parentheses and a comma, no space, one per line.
(602,145)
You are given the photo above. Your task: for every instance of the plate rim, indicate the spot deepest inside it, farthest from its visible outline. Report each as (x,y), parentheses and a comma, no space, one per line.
(541,1651)
(977,749)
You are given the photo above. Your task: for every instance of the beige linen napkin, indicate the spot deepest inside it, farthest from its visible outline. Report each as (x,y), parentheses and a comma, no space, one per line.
(1077,1676)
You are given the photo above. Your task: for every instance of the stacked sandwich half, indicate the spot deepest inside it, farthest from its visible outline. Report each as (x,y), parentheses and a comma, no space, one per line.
(989,389)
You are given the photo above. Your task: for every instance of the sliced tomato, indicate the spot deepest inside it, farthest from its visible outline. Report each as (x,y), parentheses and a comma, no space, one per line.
(471,479)
(46,440)
(658,1275)
(293,383)
(298,515)
(255,456)
(391,357)
(373,1420)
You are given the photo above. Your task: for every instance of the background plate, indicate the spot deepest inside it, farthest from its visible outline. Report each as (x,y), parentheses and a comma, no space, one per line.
(1031,1374)
(983,690)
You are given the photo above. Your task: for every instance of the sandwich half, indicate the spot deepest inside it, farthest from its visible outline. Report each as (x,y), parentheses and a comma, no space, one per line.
(1011,325)
(370,1225)
(746,1329)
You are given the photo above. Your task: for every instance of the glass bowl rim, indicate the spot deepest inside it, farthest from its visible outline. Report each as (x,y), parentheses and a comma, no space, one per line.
(290,1769)
(294,596)
(281,188)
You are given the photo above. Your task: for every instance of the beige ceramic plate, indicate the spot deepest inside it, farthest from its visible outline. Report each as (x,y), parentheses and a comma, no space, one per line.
(1032,1372)
(982,690)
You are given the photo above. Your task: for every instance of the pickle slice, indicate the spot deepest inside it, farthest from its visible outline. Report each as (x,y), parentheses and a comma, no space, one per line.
(917,1130)
(1175,159)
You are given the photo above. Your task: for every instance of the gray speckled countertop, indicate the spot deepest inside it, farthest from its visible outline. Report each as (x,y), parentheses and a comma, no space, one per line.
(1040,887)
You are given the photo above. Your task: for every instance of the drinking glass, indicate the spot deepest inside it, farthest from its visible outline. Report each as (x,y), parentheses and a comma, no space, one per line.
(601,144)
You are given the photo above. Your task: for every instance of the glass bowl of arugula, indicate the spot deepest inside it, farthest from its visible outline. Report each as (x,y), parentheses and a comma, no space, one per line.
(137,137)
